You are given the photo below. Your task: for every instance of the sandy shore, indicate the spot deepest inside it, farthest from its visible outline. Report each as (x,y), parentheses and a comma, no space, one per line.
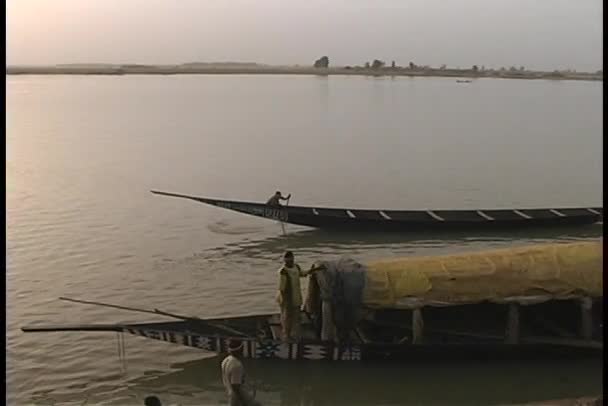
(271,70)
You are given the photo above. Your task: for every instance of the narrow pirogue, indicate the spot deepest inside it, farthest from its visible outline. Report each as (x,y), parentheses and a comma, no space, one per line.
(408,220)
(527,301)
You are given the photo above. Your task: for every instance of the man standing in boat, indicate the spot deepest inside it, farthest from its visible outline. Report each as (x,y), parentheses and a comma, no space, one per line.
(290,296)
(276,198)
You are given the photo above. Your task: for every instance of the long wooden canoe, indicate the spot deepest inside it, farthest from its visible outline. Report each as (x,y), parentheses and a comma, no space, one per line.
(381,340)
(408,220)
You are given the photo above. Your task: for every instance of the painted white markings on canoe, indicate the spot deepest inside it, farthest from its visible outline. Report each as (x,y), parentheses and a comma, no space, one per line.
(384,215)
(557,213)
(519,213)
(435,216)
(350,214)
(316,213)
(593,211)
(485,216)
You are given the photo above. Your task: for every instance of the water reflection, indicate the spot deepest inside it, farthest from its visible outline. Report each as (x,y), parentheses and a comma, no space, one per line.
(321,241)
(319,384)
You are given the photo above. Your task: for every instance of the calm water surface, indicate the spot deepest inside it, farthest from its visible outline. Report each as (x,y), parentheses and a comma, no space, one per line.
(83,153)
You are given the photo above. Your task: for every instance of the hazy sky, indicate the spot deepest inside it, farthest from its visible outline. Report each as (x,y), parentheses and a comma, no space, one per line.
(539,34)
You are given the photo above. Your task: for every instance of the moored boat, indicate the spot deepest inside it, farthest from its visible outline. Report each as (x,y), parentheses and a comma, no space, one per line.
(407,220)
(530,301)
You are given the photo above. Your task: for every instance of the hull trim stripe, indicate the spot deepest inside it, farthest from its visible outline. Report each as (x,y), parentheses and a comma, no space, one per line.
(485,216)
(524,215)
(384,215)
(435,216)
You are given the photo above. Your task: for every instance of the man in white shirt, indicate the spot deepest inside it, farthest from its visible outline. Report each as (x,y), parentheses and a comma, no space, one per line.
(233,377)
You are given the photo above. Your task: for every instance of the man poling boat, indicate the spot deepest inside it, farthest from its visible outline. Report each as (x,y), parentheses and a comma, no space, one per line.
(275,200)
(529,300)
(381,220)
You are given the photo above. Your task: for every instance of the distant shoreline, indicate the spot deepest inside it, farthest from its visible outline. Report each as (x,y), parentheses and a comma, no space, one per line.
(295,70)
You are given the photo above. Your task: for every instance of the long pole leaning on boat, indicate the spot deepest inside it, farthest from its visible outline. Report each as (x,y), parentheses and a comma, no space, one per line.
(158,313)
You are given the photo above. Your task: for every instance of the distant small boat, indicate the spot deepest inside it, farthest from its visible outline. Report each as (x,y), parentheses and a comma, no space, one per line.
(463,81)
(408,220)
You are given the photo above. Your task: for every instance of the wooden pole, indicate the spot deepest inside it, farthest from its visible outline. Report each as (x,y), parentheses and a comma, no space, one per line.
(283,225)
(417,326)
(586,318)
(512,331)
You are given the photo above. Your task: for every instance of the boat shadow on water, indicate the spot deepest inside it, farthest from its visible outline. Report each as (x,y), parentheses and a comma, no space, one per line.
(420,383)
(326,242)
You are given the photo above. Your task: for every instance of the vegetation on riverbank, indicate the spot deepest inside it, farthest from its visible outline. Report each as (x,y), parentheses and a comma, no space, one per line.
(320,67)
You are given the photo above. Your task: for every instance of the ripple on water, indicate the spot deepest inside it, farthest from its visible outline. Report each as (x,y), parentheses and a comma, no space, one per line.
(223,227)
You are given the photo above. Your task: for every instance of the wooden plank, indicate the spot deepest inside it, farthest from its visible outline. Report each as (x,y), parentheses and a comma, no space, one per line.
(512,331)
(384,215)
(586,306)
(485,216)
(483,336)
(524,215)
(435,216)
(417,326)
(567,342)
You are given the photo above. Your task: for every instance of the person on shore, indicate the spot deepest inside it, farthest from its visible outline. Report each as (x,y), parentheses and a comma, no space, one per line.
(290,296)
(152,401)
(233,377)
(276,198)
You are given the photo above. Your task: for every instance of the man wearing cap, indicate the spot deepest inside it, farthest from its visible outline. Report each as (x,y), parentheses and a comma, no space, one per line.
(233,377)
(290,296)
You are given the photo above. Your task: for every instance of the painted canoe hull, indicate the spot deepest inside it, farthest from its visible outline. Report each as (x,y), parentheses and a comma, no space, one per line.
(318,351)
(409,220)
(201,335)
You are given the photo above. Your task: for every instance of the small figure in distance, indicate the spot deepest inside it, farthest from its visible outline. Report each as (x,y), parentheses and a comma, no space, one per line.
(276,198)
(152,401)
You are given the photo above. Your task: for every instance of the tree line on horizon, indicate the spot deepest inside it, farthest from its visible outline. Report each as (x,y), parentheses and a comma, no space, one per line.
(378,64)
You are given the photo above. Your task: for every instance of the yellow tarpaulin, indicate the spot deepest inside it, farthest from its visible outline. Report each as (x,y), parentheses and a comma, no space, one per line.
(544,272)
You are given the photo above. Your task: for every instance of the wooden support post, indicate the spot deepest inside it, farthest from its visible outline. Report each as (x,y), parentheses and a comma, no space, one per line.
(417,326)
(586,318)
(512,333)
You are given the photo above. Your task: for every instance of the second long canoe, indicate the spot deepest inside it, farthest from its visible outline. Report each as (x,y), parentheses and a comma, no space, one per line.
(408,220)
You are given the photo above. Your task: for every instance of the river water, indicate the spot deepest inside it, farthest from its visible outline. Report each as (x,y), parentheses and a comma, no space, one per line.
(84,151)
